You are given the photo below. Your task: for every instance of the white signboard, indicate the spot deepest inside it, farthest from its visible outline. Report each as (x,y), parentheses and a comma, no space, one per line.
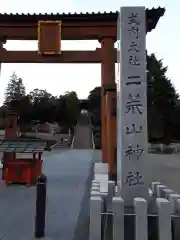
(132,104)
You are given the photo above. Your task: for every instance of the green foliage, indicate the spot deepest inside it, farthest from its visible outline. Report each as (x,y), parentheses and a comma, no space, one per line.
(96,129)
(162,101)
(39,105)
(15,90)
(94,99)
(72,107)
(97,142)
(94,104)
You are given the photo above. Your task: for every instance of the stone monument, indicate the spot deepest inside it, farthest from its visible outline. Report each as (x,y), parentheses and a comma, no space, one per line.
(132,144)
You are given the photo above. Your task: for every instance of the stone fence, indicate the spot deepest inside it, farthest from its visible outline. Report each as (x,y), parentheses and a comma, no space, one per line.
(157,218)
(110,219)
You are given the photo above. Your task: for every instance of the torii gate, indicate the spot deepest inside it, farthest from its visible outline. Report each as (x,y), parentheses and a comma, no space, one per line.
(50,29)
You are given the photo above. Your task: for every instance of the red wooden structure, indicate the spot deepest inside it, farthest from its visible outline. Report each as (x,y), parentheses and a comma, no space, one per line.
(22,170)
(15,169)
(99,26)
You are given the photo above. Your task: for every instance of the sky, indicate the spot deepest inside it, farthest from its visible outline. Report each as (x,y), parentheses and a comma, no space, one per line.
(59,78)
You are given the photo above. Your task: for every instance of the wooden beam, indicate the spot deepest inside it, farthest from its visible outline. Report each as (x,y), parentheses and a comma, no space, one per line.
(69,32)
(111,133)
(64,57)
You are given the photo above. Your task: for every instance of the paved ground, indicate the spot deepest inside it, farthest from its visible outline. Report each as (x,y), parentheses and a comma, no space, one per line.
(166,169)
(69,176)
(161,167)
(68,173)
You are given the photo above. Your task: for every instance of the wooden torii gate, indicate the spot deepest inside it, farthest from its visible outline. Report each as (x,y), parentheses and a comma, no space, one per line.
(50,29)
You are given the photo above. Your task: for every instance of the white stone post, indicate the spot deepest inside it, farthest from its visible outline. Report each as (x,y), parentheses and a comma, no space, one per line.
(164,219)
(95,218)
(178,206)
(154,187)
(176,222)
(166,192)
(95,188)
(173,197)
(141,226)
(95,193)
(95,183)
(132,144)
(111,194)
(118,218)
(160,193)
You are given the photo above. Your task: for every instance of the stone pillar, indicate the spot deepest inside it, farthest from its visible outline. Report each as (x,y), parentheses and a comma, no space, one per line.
(111,194)
(159,190)
(141,225)
(107,77)
(118,218)
(164,219)
(95,218)
(132,145)
(173,197)
(154,187)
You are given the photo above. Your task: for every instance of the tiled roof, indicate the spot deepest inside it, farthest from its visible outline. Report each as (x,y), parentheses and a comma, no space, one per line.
(152,16)
(151,13)
(22,146)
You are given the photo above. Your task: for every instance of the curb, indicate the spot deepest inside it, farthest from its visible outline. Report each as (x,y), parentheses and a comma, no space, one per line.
(82,228)
(92,135)
(72,144)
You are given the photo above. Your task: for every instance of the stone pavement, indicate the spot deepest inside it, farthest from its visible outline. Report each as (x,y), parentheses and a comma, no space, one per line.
(164,168)
(68,173)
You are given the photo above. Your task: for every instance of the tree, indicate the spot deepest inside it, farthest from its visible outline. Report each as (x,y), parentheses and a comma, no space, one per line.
(94,104)
(67,109)
(14,91)
(25,110)
(94,99)
(163,112)
(72,107)
(162,99)
(39,94)
(42,105)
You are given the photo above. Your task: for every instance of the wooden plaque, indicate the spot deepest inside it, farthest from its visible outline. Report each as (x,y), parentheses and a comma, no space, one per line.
(49,37)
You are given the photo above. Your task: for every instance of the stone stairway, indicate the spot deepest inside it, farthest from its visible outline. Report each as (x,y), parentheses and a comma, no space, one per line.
(83,134)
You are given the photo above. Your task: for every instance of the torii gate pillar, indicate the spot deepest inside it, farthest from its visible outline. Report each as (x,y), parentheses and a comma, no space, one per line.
(1,47)
(107,77)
